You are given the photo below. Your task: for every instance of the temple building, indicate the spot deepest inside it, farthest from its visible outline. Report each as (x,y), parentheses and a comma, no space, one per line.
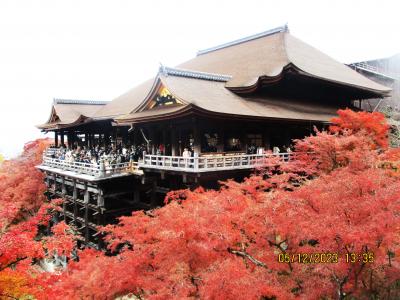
(385,71)
(214,117)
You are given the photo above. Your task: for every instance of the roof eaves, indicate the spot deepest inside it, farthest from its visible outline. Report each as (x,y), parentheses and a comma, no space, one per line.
(245,39)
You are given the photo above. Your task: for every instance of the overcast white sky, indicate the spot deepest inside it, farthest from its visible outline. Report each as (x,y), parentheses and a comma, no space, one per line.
(93,49)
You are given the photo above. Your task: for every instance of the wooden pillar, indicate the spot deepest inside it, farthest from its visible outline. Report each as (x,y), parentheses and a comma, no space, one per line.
(153,193)
(64,193)
(180,141)
(243,140)
(70,140)
(87,138)
(164,140)
(56,138)
(196,138)
(100,207)
(74,198)
(174,143)
(86,203)
(62,138)
(152,137)
(266,139)
(100,199)
(287,138)
(136,196)
(221,138)
(55,183)
(47,180)
(135,137)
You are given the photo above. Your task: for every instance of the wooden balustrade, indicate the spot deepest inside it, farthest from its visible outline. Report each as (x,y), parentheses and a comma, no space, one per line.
(195,164)
(96,170)
(208,163)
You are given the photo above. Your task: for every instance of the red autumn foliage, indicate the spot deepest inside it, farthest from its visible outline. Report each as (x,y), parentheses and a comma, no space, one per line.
(373,125)
(23,213)
(339,196)
(21,185)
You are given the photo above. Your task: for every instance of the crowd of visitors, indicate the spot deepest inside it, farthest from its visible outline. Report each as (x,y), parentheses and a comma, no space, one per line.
(109,155)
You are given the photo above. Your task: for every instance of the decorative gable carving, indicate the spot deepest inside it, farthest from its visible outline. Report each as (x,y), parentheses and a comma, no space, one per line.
(162,98)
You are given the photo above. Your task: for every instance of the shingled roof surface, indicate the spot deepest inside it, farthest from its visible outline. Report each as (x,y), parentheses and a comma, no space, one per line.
(267,56)
(66,113)
(241,64)
(212,97)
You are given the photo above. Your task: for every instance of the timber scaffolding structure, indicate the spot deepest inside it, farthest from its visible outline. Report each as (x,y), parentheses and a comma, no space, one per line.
(214,117)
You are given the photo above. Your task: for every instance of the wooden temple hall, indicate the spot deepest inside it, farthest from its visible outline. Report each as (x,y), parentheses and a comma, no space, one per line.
(211,118)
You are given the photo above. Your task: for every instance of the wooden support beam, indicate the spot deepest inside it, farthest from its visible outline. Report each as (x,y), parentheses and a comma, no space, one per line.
(87,139)
(74,197)
(56,138)
(174,143)
(243,139)
(86,201)
(266,139)
(164,140)
(48,180)
(220,141)
(55,182)
(152,136)
(136,196)
(86,224)
(64,193)
(93,189)
(100,199)
(196,137)
(90,140)
(62,138)
(153,193)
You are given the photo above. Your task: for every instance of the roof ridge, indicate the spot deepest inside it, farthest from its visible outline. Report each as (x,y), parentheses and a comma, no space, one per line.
(194,74)
(283,28)
(75,101)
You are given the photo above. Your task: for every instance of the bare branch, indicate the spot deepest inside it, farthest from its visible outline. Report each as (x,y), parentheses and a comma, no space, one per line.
(248,256)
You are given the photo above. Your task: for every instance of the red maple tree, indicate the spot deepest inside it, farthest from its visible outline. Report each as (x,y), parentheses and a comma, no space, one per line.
(24,213)
(340,195)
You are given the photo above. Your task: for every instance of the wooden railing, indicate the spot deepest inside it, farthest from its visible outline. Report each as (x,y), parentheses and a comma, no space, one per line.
(208,163)
(97,170)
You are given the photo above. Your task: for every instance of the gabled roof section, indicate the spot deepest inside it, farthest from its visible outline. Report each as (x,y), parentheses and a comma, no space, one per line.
(160,96)
(245,64)
(269,55)
(210,97)
(135,100)
(68,112)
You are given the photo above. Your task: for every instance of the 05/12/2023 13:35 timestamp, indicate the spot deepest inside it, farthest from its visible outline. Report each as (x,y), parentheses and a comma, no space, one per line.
(326,258)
